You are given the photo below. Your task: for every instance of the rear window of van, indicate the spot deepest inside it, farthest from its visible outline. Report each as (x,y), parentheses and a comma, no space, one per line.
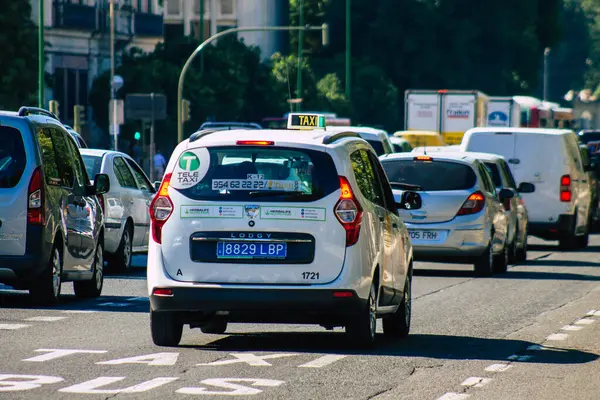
(264,174)
(12,157)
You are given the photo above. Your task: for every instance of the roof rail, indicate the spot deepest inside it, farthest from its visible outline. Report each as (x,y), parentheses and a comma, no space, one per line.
(24,111)
(328,139)
(200,134)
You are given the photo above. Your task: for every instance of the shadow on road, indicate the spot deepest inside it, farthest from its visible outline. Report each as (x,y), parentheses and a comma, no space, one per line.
(418,345)
(21,300)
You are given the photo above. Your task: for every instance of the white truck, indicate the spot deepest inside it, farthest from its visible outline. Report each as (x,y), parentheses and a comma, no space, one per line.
(504,112)
(449,112)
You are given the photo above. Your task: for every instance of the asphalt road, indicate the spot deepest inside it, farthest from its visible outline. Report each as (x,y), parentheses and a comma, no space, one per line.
(530,333)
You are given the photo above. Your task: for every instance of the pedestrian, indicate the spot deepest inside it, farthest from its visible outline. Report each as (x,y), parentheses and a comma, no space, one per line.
(159,165)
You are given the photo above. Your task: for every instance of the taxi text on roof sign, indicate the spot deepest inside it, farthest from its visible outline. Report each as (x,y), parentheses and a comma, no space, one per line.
(306,121)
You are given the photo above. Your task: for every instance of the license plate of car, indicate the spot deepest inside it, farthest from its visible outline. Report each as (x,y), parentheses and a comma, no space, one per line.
(424,235)
(251,250)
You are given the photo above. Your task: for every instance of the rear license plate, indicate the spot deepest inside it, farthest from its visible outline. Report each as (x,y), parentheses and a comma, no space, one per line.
(424,235)
(251,250)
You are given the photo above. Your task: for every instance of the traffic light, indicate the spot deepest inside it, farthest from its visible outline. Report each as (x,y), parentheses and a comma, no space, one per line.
(185,110)
(53,106)
(137,136)
(79,117)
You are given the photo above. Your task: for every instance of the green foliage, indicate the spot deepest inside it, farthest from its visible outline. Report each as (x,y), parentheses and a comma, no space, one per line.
(18,41)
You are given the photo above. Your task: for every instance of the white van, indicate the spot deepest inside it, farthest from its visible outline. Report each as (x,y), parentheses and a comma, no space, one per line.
(559,208)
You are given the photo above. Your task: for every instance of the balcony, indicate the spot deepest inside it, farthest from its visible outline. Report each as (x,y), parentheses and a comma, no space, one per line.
(74,16)
(148,24)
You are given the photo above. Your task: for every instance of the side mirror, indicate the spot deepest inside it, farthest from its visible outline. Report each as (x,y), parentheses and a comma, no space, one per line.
(410,201)
(506,194)
(526,187)
(101,184)
(156,185)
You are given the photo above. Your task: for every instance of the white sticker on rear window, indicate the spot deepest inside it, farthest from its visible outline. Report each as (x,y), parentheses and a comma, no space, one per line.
(191,167)
(256,184)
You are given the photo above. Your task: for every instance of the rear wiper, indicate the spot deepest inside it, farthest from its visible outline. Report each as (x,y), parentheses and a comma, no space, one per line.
(405,186)
(284,193)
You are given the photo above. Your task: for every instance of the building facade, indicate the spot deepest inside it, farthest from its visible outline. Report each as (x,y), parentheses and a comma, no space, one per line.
(77,33)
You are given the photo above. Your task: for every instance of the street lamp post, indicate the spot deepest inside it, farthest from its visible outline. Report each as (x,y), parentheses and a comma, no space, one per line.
(41,56)
(546,54)
(323,28)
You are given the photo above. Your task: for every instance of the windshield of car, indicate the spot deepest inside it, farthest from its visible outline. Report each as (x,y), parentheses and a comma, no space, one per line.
(12,157)
(93,164)
(495,173)
(377,146)
(431,175)
(276,174)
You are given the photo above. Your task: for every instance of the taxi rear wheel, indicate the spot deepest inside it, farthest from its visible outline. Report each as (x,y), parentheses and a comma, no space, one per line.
(398,324)
(485,262)
(363,326)
(166,328)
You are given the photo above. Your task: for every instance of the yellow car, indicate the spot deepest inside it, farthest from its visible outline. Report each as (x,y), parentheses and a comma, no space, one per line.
(421,138)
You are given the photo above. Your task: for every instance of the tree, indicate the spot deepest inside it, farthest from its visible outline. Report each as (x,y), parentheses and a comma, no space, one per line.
(18,41)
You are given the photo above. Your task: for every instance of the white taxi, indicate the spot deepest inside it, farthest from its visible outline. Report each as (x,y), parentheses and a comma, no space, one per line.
(277,226)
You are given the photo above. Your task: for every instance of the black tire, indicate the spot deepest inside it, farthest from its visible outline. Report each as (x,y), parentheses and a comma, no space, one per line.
(121,260)
(583,240)
(216,327)
(363,326)
(485,262)
(567,242)
(46,288)
(521,256)
(501,260)
(398,324)
(93,287)
(166,328)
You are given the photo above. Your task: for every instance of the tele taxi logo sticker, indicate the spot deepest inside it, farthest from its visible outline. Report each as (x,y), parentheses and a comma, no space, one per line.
(189,161)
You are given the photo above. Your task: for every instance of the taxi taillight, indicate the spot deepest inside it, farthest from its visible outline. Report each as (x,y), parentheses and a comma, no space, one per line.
(348,212)
(161,209)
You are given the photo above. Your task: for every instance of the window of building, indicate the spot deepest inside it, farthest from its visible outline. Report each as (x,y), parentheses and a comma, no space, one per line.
(226,7)
(173,7)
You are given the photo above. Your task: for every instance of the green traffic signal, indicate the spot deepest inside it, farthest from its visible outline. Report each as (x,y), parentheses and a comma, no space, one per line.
(137,136)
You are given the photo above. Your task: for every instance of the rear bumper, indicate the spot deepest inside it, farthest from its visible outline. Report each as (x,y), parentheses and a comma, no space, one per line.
(259,305)
(17,271)
(553,230)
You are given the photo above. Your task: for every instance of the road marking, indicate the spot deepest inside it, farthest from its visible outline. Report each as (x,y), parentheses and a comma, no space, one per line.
(557,336)
(17,383)
(228,383)
(593,313)
(476,381)
(571,328)
(58,353)
(45,319)
(12,327)
(91,386)
(148,359)
(454,396)
(322,361)
(138,299)
(79,311)
(250,359)
(498,367)
(585,321)
(111,304)
(538,347)
(516,357)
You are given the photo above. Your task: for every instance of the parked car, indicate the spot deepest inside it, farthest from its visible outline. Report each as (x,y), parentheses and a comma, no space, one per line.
(460,218)
(127,220)
(400,145)
(377,138)
(229,125)
(51,221)
(78,138)
(560,208)
(421,138)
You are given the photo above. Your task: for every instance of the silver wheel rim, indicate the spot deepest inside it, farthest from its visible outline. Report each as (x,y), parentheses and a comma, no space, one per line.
(407,302)
(127,249)
(56,273)
(99,268)
(372,315)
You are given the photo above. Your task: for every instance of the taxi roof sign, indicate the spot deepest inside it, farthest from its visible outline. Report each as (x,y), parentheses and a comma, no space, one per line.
(306,121)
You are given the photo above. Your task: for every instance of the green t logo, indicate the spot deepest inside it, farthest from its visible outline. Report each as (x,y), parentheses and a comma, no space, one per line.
(189,161)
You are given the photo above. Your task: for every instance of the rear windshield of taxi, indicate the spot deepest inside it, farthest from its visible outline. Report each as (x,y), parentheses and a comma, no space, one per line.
(265,174)
(431,175)
(12,157)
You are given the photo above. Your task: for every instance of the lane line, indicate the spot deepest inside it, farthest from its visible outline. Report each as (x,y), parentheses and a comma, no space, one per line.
(12,327)
(585,321)
(557,336)
(454,396)
(593,313)
(111,304)
(476,381)
(322,361)
(79,311)
(498,367)
(571,328)
(45,319)
(539,347)
(138,299)
(516,357)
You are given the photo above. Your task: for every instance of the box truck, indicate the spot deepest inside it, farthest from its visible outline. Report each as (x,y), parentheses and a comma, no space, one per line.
(449,112)
(504,112)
